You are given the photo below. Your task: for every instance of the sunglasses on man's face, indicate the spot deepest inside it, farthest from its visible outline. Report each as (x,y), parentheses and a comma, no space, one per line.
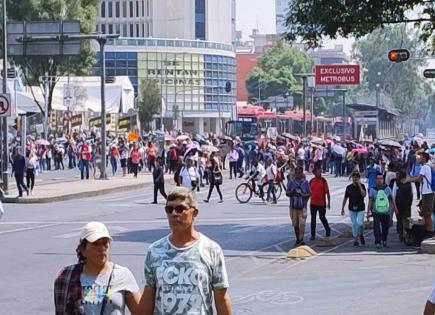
(178,209)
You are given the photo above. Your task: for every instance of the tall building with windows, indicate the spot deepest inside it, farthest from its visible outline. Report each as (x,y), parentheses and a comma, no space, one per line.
(281,7)
(185,46)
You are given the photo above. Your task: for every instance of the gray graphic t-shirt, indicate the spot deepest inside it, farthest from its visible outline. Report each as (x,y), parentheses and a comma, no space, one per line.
(94,289)
(184,278)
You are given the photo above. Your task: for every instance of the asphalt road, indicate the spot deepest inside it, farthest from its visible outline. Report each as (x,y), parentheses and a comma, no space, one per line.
(37,240)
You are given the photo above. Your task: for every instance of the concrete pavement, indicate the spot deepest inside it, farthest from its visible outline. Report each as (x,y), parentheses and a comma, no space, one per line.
(36,240)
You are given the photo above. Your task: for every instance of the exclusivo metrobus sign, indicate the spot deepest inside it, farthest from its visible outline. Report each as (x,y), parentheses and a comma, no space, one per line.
(338,74)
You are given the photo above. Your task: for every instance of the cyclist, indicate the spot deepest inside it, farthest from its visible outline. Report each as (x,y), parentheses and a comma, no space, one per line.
(258,172)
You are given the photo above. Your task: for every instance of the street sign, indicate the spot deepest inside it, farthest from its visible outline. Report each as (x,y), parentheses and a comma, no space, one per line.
(5,105)
(124,123)
(337,74)
(19,32)
(366,113)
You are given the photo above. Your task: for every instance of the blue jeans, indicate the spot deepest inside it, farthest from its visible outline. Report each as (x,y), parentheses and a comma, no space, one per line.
(114,164)
(271,189)
(357,218)
(84,165)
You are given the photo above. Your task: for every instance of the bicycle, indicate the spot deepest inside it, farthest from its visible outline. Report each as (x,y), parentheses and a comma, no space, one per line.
(244,191)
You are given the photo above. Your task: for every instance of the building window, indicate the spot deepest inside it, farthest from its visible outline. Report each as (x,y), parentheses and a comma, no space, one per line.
(103,28)
(118,29)
(131,30)
(124,9)
(137,8)
(143,8)
(137,30)
(110,9)
(131,8)
(103,9)
(200,19)
(110,29)
(117,9)
(143,30)
(124,31)
(148,7)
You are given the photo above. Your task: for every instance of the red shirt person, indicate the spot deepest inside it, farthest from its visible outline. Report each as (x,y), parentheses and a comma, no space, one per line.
(319,193)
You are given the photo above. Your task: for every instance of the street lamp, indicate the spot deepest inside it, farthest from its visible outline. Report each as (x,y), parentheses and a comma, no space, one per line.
(304,77)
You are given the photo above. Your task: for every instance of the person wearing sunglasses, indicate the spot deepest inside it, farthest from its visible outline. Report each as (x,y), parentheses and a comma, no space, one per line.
(185,270)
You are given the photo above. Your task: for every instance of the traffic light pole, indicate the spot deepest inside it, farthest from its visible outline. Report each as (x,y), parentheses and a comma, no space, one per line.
(4,120)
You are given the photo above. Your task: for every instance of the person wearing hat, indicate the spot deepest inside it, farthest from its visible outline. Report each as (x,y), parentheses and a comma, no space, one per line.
(95,285)
(427,195)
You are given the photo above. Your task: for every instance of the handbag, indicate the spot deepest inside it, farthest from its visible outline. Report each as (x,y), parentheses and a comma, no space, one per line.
(218,178)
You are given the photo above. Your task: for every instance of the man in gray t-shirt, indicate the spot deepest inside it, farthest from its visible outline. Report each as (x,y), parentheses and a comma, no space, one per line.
(185,270)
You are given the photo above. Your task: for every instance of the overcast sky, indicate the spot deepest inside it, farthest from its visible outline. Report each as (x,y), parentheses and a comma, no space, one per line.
(261,14)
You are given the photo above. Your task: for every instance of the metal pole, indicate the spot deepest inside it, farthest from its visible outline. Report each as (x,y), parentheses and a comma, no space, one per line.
(344,112)
(377,110)
(304,103)
(162,126)
(23,130)
(46,105)
(4,120)
(102,42)
(312,110)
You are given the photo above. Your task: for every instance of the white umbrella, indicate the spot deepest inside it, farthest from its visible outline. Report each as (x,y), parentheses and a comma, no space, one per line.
(389,143)
(182,137)
(209,148)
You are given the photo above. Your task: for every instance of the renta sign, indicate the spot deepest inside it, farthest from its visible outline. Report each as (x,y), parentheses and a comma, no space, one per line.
(337,74)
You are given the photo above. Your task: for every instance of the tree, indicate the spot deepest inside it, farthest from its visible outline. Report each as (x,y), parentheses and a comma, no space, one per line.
(149,102)
(403,81)
(275,73)
(311,20)
(85,11)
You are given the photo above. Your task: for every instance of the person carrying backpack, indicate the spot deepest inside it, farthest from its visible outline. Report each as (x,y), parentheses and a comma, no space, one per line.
(427,179)
(298,190)
(380,198)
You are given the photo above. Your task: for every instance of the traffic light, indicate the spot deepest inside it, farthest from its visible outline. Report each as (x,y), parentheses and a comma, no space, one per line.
(228,87)
(398,55)
(429,73)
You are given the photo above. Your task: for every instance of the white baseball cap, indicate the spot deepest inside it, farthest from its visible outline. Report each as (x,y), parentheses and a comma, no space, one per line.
(93,231)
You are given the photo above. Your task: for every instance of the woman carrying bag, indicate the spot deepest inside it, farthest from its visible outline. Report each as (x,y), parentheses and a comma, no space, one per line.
(216,178)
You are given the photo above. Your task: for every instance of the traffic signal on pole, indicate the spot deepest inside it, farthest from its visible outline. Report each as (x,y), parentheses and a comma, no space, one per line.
(398,55)
(429,73)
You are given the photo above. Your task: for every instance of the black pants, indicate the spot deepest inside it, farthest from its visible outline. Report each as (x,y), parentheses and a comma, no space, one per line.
(159,187)
(239,167)
(417,187)
(233,169)
(322,215)
(19,178)
(48,164)
(172,166)
(151,163)
(30,178)
(404,212)
(134,167)
(381,221)
(210,190)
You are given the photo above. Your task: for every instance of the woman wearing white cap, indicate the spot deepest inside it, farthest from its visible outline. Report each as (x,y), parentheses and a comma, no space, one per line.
(95,285)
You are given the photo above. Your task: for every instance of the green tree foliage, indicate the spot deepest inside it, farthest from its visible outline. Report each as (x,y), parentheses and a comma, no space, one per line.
(403,81)
(311,20)
(85,11)
(149,102)
(275,72)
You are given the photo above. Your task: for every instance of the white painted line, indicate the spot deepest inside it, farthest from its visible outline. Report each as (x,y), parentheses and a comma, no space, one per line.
(28,228)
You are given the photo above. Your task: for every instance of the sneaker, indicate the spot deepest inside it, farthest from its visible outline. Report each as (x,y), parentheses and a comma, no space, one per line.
(220,201)
(301,243)
(378,245)
(356,244)
(328,234)
(362,239)
(205,200)
(384,244)
(154,202)
(274,202)
(296,243)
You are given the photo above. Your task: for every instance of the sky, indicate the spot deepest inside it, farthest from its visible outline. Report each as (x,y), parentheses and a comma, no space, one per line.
(260,14)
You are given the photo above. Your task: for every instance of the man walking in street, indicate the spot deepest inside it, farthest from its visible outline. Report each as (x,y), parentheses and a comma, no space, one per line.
(372,171)
(185,270)
(159,179)
(319,192)
(18,169)
(402,193)
(355,193)
(298,190)
(427,194)
(380,198)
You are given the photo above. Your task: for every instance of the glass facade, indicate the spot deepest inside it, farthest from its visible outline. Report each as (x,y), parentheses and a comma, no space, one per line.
(200,19)
(190,81)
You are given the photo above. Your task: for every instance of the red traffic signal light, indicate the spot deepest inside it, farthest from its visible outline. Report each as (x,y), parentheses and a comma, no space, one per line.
(429,73)
(398,55)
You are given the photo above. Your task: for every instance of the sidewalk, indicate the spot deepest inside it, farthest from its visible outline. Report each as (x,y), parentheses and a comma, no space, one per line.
(53,191)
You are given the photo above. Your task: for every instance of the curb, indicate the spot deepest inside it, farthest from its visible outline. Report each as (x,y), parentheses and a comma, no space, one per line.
(428,246)
(83,194)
